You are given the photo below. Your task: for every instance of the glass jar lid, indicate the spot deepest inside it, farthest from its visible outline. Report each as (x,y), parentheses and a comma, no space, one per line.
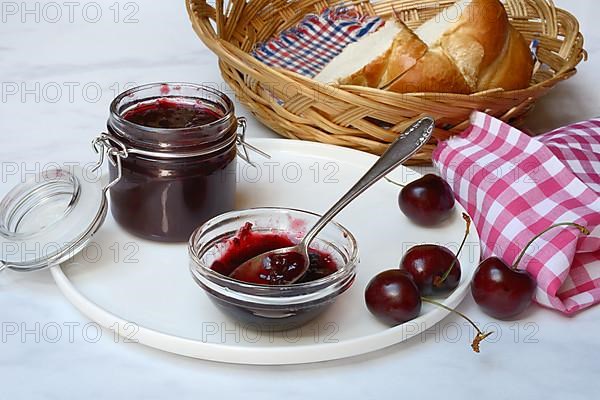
(50,218)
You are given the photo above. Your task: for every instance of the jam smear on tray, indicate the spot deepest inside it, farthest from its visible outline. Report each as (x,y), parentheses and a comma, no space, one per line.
(248,244)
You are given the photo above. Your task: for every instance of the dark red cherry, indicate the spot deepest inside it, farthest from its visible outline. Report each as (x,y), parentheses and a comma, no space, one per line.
(393,297)
(435,269)
(504,292)
(427,201)
(428,264)
(500,291)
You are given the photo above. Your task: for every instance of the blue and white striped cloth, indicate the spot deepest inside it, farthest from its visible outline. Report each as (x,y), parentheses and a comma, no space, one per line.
(308,47)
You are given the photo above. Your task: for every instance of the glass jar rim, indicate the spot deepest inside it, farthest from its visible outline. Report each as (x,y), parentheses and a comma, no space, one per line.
(117,115)
(344,272)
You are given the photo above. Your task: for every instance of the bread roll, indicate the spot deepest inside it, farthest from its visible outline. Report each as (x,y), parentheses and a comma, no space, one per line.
(434,72)
(401,56)
(473,40)
(513,69)
(357,63)
(468,47)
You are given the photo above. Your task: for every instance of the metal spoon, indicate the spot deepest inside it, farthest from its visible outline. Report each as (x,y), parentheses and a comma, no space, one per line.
(294,260)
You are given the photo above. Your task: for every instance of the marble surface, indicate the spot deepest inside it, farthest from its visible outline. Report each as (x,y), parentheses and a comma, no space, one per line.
(61,64)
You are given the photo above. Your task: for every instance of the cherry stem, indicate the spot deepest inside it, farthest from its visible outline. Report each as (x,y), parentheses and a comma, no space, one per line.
(481,336)
(441,280)
(582,228)
(394,182)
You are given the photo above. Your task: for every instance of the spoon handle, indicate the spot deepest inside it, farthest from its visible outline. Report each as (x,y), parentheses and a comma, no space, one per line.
(402,149)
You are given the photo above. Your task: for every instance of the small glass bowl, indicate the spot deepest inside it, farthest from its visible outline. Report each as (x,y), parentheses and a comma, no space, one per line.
(272,307)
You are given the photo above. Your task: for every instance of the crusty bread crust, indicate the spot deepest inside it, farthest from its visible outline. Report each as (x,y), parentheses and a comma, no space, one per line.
(408,49)
(434,72)
(480,51)
(477,39)
(403,54)
(513,69)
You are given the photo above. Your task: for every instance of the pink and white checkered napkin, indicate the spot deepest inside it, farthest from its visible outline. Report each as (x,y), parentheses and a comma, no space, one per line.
(306,48)
(515,186)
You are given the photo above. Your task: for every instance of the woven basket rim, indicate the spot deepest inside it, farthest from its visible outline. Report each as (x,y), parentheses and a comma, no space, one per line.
(559,31)
(211,39)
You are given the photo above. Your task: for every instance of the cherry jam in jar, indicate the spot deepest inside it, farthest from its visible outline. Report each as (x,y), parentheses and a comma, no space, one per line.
(180,164)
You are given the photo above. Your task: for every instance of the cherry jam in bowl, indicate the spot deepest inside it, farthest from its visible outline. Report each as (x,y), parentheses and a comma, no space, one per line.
(226,241)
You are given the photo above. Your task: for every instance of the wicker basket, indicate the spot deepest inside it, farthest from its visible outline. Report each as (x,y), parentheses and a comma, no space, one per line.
(363,118)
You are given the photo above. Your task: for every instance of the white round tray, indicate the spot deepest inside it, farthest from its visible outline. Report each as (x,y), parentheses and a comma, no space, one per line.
(145,292)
